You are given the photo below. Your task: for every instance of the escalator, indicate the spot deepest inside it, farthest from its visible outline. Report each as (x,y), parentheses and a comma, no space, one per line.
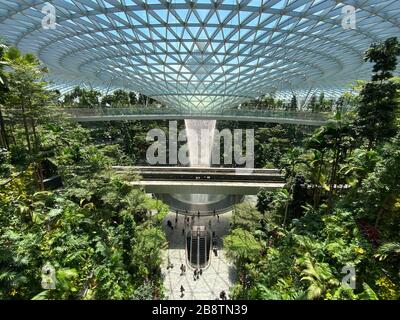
(194,251)
(198,244)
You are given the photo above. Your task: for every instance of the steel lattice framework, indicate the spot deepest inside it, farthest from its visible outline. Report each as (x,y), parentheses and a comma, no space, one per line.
(201,54)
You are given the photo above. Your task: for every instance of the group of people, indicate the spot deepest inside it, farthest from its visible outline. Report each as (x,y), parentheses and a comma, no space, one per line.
(222,295)
(197,273)
(189,220)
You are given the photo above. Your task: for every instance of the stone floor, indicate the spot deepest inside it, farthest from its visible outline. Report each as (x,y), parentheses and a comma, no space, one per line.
(218,276)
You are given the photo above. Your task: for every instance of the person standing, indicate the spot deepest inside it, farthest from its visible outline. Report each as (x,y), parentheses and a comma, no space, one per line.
(215,251)
(182,291)
(222,295)
(169,264)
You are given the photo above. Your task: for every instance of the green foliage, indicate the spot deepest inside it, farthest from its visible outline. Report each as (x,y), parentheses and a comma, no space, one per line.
(241,244)
(387,250)
(101,240)
(341,207)
(318,276)
(378,103)
(102,236)
(246,217)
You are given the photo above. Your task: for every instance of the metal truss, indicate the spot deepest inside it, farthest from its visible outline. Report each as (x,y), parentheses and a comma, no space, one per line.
(201,55)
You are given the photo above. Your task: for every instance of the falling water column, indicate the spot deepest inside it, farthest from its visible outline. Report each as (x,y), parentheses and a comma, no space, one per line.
(200,139)
(200,136)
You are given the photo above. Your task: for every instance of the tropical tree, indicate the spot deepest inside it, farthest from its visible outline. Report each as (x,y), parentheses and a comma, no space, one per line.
(378,103)
(3,89)
(82,98)
(293,103)
(318,276)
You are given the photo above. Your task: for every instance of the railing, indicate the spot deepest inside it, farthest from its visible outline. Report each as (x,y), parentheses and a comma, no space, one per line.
(272,114)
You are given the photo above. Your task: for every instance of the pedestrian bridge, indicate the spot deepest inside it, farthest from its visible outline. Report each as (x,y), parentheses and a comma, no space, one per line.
(191,180)
(133,114)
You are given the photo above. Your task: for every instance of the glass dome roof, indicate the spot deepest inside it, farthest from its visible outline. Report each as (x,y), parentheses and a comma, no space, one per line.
(201,54)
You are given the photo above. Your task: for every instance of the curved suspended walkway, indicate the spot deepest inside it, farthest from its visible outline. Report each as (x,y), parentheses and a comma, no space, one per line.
(132,114)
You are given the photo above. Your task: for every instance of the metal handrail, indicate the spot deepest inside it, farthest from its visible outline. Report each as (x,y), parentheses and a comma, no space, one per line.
(304,115)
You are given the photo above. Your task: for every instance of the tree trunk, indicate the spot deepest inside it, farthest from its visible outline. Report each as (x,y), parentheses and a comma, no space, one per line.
(25,121)
(39,175)
(14,141)
(317,192)
(286,212)
(3,133)
(35,138)
(333,180)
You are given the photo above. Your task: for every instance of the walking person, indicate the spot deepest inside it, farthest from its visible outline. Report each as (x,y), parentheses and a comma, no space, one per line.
(182,291)
(195,274)
(198,214)
(222,295)
(169,224)
(201,271)
(183,231)
(198,274)
(169,264)
(182,269)
(215,251)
